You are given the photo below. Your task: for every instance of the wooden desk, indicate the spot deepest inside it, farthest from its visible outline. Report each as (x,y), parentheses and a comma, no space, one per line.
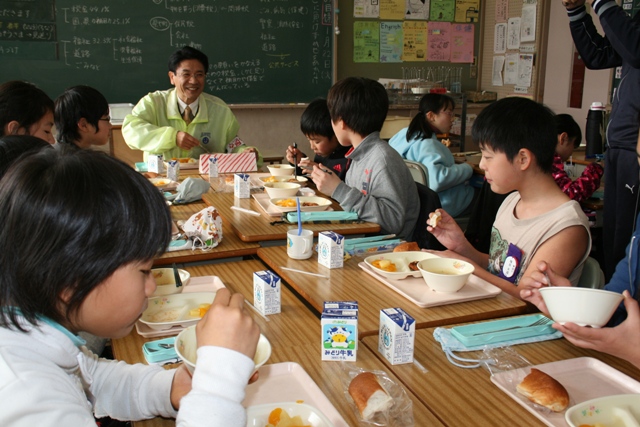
(294,335)
(258,228)
(466,397)
(351,283)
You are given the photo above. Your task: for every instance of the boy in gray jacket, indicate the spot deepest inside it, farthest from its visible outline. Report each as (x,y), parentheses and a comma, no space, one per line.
(378,185)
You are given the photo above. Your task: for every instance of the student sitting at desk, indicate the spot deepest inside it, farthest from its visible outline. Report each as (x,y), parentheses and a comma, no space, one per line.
(82,117)
(419,143)
(569,136)
(537,221)
(25,110)
(378,185)
(315,124)
(73,273)
(184,121)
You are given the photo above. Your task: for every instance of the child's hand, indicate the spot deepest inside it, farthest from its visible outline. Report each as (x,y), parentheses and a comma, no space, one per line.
(180,386)
(293,155)
(308,164)
(448,232)
(325,179)
(227,325)
(542,277)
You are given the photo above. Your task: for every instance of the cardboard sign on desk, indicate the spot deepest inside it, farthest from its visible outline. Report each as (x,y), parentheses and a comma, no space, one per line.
(230,162)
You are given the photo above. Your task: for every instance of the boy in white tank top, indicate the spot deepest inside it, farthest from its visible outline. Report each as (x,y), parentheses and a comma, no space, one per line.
(517,138)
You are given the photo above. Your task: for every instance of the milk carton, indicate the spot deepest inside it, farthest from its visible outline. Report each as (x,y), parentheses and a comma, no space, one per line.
(330,249)
(397,335)
(173,170)
(266,292)
(339,334)
(242,186)
(217,183)
(340,305)
(155,163)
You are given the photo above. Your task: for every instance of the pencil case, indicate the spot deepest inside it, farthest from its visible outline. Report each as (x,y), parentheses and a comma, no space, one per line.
(502,330)
(160,351)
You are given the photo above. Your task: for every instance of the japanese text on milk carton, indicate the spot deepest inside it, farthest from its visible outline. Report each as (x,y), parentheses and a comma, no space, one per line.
(266,292)
(330,249)
(242,186)
(397,335)
(340,332)
(155,163)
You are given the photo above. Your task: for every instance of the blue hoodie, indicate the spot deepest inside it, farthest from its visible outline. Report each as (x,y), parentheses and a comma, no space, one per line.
(446,177)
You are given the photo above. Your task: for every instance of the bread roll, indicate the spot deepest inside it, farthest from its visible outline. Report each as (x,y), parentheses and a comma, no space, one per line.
(406,246)
(544,390)
(368,395)
(434,219)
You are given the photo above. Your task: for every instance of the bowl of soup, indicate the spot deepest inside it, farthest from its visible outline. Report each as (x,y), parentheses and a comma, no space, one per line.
(447,275)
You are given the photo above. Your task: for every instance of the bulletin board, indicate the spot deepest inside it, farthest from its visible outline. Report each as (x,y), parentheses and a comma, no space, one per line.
(346,66)
(514,9)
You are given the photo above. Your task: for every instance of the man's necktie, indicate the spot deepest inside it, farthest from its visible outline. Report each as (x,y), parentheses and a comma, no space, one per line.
(187,115)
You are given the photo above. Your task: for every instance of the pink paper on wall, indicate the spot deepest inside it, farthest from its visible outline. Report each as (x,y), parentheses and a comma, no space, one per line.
(462,43)
(230,162)
(438,41)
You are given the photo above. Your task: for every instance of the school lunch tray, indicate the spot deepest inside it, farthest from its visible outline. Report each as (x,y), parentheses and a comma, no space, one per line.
(289,382)
(264,202)
(196,284)
(585,378)
(416,290)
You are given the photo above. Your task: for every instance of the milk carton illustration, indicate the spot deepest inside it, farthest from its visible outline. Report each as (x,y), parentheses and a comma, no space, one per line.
(397,335)
(330,249)
(266,292)
(339,333)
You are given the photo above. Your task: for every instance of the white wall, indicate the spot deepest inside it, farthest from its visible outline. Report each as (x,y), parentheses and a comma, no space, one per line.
(558,71)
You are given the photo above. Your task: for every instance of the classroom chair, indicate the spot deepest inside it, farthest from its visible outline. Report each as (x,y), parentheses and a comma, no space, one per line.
(418,172)
(592,275)
(429,202)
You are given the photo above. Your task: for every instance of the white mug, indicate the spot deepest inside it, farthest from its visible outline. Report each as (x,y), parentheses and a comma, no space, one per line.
(299,247)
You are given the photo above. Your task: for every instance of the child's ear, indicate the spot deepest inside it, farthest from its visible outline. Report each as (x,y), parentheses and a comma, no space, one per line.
(524,159)
(83,124)
(563,139)
(431,116)
(12,128)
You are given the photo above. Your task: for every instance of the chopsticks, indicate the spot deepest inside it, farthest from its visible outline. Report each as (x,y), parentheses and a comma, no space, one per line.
(176,275)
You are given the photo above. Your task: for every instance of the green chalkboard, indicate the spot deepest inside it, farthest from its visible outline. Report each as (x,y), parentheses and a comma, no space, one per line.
(260,51)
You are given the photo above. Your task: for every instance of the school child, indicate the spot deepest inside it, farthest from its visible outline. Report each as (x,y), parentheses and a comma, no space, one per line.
(569,138)
(315,124)
(378,185)
(419,143)
(78,236)
(537,221)
(82,117)
(25,110)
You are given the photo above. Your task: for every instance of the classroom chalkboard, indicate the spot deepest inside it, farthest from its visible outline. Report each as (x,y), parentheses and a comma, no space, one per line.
(260,51)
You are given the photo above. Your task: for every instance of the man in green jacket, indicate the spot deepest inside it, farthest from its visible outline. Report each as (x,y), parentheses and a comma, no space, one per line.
(184,121)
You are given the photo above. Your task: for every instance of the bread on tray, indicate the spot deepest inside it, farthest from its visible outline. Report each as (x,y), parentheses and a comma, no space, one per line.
(406,247)
(544,390)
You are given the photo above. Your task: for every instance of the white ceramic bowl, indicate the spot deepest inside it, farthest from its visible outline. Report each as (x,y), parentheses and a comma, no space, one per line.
(280,170)
(582,306)
(277,190)
(166,282)
(186,347)
(447,275)
(620,410)
(302,180)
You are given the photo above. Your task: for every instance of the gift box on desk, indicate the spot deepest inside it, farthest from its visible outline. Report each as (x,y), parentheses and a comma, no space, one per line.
(230,162)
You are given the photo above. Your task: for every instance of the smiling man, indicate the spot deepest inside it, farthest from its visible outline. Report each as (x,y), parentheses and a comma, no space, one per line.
(184,121)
